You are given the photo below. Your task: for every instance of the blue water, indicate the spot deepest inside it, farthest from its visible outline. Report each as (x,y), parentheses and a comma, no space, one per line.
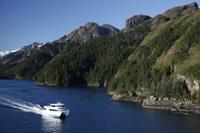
(92,111)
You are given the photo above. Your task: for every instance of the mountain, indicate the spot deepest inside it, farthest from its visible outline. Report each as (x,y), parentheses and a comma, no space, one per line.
(166,63)
(93,63)
(146,58)
(19,54)
(82,34)
(24,63)
(156,56)
(88,31)
(4,53)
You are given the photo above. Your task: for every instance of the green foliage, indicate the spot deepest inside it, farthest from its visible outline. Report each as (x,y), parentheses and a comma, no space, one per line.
(189,39)
(94,62)
(143,61)
(28,66)
(126,62)
(193,72)
(140,71)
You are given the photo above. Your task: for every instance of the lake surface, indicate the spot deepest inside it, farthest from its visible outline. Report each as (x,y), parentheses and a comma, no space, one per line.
(92,111)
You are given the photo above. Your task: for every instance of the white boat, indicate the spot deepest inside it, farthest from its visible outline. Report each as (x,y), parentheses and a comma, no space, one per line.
(56,110)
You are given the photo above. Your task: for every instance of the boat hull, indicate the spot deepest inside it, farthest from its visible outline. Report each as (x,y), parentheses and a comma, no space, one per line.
(56,114)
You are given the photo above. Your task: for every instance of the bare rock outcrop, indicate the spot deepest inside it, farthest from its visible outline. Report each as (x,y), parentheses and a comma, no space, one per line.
(171,105)
(193,85)
(88,31)
(136,20)
(181,10)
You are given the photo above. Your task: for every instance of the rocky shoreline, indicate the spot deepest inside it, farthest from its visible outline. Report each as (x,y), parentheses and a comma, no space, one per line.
(169,104)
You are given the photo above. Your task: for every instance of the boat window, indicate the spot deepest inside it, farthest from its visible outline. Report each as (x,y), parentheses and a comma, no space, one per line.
(53,110)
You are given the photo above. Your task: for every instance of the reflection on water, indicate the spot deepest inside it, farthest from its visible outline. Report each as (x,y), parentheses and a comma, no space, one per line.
(50,124)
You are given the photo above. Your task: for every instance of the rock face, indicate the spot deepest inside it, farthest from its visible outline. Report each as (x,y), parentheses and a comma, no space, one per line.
(193,85)
(110,28)
(136,20)
(88,31)
(181,10)
(171,105)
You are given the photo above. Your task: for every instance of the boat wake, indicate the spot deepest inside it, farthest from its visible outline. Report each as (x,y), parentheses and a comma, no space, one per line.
(22,105)
(49,124)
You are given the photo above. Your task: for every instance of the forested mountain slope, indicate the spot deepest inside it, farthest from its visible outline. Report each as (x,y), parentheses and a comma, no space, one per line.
(157,56)
(166,63)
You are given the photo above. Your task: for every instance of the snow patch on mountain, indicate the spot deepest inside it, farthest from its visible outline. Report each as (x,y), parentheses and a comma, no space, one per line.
(14,50)
(4,53)
(33,46)
(41,45)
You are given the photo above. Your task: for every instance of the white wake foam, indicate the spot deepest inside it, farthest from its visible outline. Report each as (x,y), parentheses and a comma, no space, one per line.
(21,105)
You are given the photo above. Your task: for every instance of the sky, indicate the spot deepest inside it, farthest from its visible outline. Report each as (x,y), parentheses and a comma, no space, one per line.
(23,22)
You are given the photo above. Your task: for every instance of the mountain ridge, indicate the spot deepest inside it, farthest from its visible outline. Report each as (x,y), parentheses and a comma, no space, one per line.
(80,35)
(88,31)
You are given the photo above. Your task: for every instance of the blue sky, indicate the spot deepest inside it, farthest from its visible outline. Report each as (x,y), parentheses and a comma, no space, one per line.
(25,21)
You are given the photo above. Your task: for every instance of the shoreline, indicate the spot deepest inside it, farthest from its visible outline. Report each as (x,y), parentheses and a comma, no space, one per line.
(167,104)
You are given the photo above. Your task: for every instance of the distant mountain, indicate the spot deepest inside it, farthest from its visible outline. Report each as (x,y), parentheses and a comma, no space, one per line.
(19,54)
(151,56)
(4,53)
(27,61)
